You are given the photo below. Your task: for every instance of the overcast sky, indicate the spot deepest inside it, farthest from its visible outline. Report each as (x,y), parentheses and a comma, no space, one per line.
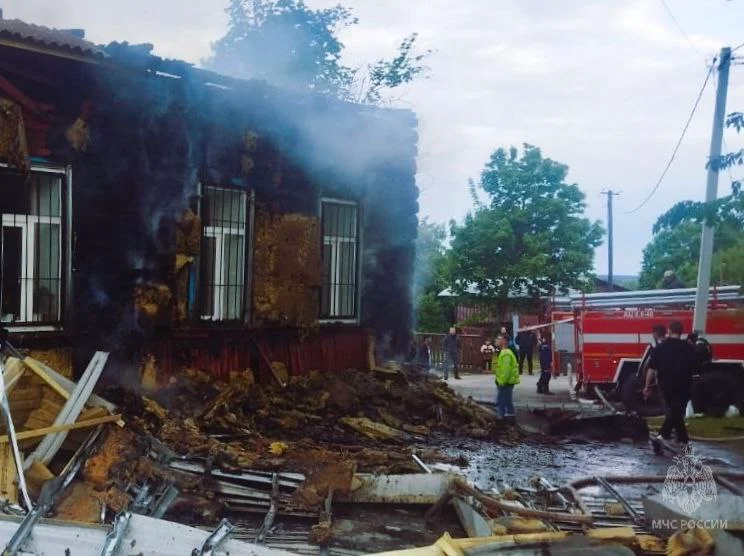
(604,86)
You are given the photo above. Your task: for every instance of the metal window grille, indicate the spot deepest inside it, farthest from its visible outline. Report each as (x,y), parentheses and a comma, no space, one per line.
(31,247)
(339,292)
(224,214)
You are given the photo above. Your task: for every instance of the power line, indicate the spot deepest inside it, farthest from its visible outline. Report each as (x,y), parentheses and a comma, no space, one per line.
(681,30)
(737,47)
(679,142)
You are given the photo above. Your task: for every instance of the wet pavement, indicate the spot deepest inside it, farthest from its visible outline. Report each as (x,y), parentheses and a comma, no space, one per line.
(482,389)
(565,460)
(561,460)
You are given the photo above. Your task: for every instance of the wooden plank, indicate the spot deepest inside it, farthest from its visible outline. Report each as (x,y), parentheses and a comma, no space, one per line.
(71,411)
(70,386)
(36,367)
(12,374)
(23,435)
(36,476)
(8,475)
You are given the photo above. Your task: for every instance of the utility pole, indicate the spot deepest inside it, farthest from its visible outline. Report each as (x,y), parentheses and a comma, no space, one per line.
(610,277)
(711,192)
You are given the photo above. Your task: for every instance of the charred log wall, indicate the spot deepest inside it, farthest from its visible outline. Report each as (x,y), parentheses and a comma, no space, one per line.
(140,145)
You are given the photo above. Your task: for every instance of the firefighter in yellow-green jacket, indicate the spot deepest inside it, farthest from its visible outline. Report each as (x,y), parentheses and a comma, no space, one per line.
(506,370)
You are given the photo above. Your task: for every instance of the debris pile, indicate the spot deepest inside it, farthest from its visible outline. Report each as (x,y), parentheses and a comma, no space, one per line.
(199,448)
(337,407)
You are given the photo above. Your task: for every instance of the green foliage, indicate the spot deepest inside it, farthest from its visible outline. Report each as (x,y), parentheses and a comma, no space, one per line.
(430,258)
(290,45)
(676,245)
(675,248)
(728,265)
(389,74)
(433,314)
(531,233)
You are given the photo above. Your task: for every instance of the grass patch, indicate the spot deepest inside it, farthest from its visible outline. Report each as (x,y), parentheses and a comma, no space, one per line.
(707,427)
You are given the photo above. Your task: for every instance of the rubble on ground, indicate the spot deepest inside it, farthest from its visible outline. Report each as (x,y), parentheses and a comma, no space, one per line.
(198,450)
(161,452)
(318,418)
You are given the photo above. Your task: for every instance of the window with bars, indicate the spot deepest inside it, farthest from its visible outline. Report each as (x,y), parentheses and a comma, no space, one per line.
(31,247)
(339,292)
(224,213)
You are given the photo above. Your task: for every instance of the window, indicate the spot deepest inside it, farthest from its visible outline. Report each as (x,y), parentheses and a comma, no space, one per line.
(31,247)
(223,253)
(338,293)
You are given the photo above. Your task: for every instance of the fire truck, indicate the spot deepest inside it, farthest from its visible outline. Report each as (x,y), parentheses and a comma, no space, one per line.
(612,334)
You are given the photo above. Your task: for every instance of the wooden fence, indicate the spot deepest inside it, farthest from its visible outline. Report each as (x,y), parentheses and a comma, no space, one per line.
(470,355)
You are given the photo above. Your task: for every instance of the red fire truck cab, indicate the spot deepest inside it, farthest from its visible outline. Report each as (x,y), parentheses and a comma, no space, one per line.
(612,339)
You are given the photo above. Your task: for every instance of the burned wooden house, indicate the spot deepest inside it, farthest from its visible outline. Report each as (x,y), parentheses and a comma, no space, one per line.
(150,207)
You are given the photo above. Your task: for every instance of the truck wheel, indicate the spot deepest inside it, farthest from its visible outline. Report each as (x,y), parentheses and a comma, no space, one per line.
(632,397)
(713,393)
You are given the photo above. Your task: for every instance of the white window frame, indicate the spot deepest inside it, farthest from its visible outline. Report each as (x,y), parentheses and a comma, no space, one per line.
(218,233)
(27,223)
(335,242)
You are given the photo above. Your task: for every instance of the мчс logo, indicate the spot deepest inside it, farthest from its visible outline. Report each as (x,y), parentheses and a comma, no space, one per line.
(689,482)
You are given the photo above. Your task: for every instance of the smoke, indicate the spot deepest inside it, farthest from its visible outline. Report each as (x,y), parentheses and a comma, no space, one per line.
(155,138)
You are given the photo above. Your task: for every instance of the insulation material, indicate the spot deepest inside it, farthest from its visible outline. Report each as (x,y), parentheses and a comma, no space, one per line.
(59,359)
(153,300)
(78,135)
(287,270)
(188,234)
(188,248)
(13,143)
(184,268)
(250,142)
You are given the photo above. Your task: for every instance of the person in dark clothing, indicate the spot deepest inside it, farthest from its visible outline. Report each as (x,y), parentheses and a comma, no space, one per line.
(672,365)
(670,281)
(526,343)
(423,359)
(451,347)
(545,354)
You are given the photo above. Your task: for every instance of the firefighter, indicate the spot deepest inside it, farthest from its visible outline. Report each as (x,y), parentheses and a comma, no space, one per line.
(672,365)
(670,281)
(526,343)
(545,354)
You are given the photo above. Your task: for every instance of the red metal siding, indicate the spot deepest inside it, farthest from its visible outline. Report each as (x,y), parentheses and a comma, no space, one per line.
(220,352)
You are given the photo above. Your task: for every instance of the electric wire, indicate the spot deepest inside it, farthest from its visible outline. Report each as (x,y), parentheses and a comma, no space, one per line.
(679,143)
(681,30)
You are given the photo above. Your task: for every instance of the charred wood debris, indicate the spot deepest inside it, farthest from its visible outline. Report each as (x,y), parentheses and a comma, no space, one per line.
(199,450)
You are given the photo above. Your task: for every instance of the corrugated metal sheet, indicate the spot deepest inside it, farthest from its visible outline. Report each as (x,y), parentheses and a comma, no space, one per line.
(18,30)
(221,351)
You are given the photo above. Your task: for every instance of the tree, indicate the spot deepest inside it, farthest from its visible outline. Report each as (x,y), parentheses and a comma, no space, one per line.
(433,314)
(729,206)
(291,45)
(676,246)
(530,235)
(430,255)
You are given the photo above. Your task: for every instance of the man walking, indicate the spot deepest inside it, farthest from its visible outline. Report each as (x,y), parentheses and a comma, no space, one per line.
(506,373)
(526,343)
(451,347)
(672,365)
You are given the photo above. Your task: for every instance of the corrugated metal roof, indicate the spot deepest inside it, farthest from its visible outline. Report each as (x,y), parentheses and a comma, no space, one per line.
(64,41)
